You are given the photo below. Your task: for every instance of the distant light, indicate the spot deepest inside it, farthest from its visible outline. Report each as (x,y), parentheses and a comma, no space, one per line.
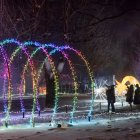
(122,88)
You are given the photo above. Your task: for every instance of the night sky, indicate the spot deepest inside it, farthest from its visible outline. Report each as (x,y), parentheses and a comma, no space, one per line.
(106,31)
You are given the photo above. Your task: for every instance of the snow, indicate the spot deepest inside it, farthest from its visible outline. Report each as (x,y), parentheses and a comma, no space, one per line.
(120,126)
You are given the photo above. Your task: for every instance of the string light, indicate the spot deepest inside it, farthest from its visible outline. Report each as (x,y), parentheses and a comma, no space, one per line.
(33,73)
(72,71)
(37,44)
(61,116)
(35,76)
(9,83)
(4,93)
(90,75)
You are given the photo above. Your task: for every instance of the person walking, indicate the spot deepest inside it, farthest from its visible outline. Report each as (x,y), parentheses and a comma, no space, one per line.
(110,93)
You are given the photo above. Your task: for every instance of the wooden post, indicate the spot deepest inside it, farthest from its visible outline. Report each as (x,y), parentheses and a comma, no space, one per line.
(100,106)
(6,124)
(89,118)
(122,103)
(39,113)
(66,109)
(23,114)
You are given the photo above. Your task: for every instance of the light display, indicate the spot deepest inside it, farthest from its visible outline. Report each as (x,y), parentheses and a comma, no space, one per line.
(127,80)
(9,41)
(91,78)
(4,94)
(71,68)
(35,74)
(42,90)
(120,88)
(9,82)
(8,61)
(100,90)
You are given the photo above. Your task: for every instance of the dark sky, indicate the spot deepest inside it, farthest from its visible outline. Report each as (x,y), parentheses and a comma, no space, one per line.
(106,31)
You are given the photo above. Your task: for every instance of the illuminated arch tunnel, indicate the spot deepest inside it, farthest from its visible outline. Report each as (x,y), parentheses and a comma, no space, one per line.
(12,50)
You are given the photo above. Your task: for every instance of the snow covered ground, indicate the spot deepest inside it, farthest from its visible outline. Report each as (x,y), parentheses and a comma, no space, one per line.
(123,125)
(119,126)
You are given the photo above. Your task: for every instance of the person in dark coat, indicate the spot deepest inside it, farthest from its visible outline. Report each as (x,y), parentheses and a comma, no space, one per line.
(137,95)
(110,93)
(129,95)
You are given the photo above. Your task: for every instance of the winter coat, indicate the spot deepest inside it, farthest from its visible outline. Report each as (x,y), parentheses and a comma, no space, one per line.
(129,95)
(110,95)
(137,96)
